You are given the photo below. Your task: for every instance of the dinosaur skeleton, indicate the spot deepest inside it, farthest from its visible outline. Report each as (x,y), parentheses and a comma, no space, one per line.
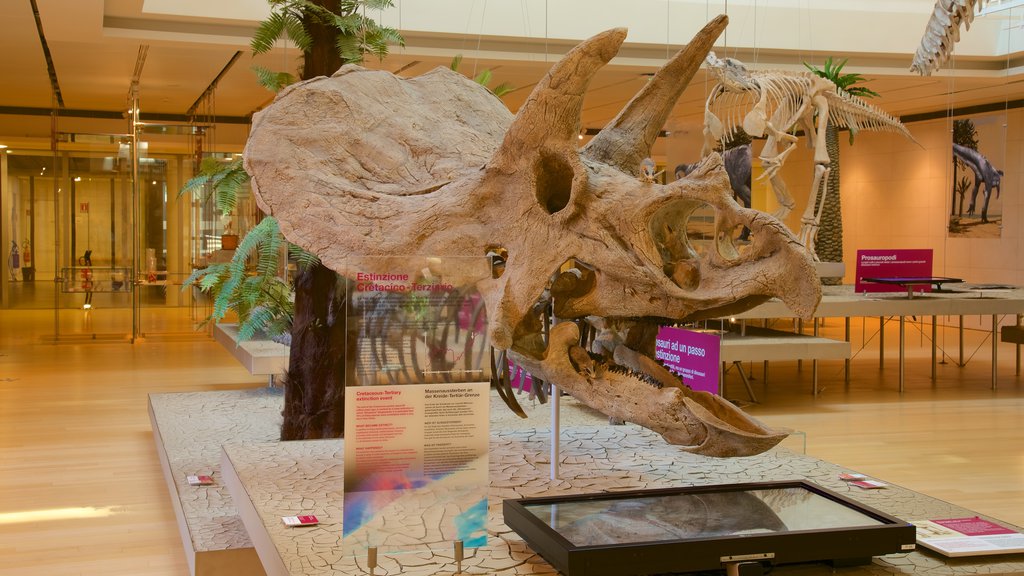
(365,165)
(771,103)
(943,32)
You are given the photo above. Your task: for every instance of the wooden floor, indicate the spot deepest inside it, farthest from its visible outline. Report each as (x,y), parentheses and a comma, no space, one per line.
(75,438)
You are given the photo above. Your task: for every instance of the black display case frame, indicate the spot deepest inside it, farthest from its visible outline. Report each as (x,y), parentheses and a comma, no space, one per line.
(842,546)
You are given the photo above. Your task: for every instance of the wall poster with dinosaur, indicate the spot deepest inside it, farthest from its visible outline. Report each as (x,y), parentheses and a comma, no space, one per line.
(974,192)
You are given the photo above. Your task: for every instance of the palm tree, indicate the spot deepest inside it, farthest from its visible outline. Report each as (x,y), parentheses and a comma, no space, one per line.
(330,33)
(829,243)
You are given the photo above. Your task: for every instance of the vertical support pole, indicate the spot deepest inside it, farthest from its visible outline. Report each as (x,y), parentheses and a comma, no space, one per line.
(556,430)
(881,342)
(1018,345)
(995,350)
(459,555)
(961,343)
(846,363)
(814,363)
(935,347)
(371,559)
(903,321)
(764,373)
(799,330)
(135,227)
(8,234)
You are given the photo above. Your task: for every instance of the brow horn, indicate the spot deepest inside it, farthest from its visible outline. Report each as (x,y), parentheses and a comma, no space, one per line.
(627,140)
(551,115)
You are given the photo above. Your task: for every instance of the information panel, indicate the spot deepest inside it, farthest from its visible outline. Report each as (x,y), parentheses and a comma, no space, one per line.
(416,405)
(896,263)
(416,465)
(692,355)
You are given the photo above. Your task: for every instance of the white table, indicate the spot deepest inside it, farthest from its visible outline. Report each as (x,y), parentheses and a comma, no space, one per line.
(843,302)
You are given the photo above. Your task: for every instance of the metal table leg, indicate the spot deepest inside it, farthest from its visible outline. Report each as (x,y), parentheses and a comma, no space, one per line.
(995,349)
(902,355)
(881,342)
(1018,345)
(961,341)
(934,349)
(814,363)
(846,367)
(746,381)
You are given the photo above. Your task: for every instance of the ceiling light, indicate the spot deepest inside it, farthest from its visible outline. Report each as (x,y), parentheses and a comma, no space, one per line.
(2,146)
(78,178)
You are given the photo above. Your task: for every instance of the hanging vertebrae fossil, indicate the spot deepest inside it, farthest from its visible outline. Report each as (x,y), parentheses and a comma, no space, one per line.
(367,164)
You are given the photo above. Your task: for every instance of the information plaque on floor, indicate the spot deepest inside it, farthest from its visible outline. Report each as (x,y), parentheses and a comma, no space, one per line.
(974,536)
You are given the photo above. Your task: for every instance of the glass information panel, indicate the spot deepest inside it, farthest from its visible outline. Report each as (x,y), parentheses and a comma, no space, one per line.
(416,405)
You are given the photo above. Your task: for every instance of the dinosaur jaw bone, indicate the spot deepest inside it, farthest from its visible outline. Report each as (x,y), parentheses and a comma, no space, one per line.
(697,422)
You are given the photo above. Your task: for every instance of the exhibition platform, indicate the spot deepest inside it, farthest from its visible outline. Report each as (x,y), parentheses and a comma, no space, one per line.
(269,479)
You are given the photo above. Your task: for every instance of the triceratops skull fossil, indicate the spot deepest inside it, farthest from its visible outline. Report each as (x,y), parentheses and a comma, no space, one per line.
(366,163)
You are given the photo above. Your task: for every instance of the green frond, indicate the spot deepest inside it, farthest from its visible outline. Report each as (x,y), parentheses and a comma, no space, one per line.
(349,48)
(484,78)
(348,24)
(456,62)
(379,4)
(268,32)
(846,82)
(297,33)
(212,278)
(227,189)
(255,322)
(391,36)
(303,258)
(273,81)
(503,89)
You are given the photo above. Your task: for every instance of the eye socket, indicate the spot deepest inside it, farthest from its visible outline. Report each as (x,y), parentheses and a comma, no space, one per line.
(553,175)
(498,256)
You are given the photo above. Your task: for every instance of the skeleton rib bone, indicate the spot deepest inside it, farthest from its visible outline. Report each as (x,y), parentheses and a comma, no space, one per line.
(366,163)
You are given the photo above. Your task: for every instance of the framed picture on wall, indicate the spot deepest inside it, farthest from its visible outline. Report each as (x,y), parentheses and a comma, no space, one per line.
(978,156)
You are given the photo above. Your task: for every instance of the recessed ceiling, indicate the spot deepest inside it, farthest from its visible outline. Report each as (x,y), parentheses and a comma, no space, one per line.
(94,65)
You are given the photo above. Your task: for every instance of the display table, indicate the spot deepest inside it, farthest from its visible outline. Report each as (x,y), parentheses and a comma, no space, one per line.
(281,479)
(761,344)
(911,282)
(843,302)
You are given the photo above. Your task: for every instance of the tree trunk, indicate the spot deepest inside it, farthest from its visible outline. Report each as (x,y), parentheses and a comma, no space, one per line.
(829,243)
(314,402)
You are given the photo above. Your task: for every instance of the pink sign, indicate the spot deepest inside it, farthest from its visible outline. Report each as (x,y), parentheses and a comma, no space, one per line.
(896,263)
(692,355)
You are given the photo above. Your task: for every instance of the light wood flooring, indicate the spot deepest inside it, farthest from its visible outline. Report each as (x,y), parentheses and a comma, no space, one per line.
(74,434)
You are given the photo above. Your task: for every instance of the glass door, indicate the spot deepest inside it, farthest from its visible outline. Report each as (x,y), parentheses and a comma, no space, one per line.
(88,237)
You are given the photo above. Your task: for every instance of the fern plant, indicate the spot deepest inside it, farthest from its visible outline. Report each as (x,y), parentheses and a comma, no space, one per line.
(357,35)
(224,180)
(484,78)
(249,284)
(262,300)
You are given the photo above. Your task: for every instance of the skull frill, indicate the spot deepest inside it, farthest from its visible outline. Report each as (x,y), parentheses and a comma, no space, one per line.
(366,163)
